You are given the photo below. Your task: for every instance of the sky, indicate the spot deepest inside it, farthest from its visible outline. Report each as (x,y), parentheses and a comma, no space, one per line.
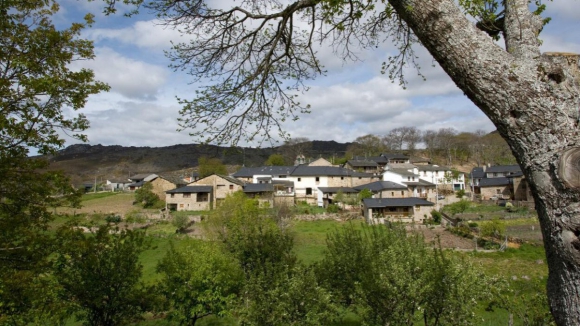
(353,99)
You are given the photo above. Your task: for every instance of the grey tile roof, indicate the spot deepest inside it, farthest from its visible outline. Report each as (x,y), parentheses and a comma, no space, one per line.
(305,171)
(258,187)
(406,166)
(264,170)
(136,184)
(118,181)
(404,172)
(381,185)
(503,169)
(190,189)
(477,172)
(392,156)
(377,159)
(362,163)
(337,189)
(231,179)
(431,167)
(419,183)
(142,176)
(492,182)
(395,202)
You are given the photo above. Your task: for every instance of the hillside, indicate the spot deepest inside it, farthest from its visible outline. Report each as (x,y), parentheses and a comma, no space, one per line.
(84,162)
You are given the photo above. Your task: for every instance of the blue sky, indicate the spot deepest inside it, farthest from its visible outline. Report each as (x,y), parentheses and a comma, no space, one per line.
(353,99)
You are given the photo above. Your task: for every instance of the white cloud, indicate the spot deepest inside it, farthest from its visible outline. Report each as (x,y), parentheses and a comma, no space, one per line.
(148,34)
(131,123)
(131,78)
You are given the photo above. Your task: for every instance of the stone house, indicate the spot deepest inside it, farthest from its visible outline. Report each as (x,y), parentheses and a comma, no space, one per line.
(386,189)
(222,186)
(189,198)
(162,184)
(407,210)
(366,166)
(329,195)
(495,188)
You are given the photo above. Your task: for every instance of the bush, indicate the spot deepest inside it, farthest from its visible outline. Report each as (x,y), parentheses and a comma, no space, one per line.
(458,207)
(494,228)
(181,222)
(460,193)
(437,216)
(112,218)
(333,208)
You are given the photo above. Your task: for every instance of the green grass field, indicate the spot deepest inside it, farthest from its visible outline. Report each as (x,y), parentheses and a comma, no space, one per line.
(525,262)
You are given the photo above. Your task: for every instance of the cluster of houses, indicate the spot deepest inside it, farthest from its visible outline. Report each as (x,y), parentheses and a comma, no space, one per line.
(401,190)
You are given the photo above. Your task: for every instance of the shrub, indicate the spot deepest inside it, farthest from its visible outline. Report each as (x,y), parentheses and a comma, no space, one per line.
(181,222)
(460,193)
(112,218)
(333,208)
(437,216)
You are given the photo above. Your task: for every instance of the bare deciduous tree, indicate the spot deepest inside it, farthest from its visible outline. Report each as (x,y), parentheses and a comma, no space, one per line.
(259,56)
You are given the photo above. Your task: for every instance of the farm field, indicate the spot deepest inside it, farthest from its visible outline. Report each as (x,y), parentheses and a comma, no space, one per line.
(522,264)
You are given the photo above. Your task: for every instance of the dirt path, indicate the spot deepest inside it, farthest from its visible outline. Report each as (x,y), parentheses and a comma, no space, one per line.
(447,239)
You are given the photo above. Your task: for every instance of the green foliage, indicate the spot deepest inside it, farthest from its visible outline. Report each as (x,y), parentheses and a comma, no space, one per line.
(460,193)
(112,218)
(209,166)
(180,221)
(292,298)
(436,216)
(393,278)
(36,78)
(333,208)
(199,280)
(275,160)
(36,82)
(277,290)
(100,274)
(363,194)
(457,207)
(254,238)
(145,195)
(494,228)
(526,299)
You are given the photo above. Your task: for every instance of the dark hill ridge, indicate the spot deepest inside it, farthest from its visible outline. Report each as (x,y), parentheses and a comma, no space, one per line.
(85,162)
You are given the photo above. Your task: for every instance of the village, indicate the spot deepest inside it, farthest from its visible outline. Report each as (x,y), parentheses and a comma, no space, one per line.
(388,187)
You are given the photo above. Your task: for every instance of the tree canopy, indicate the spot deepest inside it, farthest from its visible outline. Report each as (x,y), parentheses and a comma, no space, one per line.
(39,93)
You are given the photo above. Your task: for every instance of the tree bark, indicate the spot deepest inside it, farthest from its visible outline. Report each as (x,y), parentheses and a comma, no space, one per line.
(533,101)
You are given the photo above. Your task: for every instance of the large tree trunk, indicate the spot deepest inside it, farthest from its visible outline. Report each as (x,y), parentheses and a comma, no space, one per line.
(533,101)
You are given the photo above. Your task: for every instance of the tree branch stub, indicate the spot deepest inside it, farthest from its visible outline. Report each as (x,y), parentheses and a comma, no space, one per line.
(569,168)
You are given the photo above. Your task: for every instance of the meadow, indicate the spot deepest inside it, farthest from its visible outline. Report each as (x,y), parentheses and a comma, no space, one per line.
(522,266)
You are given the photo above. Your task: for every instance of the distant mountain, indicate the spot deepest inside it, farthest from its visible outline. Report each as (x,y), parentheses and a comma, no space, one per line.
(84,162)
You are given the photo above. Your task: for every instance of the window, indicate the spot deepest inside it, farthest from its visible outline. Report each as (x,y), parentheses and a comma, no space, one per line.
(172,196)
(231,187)
(282,176)
(498,191)
(393,193)
(317,179)
(402,193)
(186,195)
(299,179)
(308,191)
(342,178)
(221,186)
(202,197)
(181,205)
